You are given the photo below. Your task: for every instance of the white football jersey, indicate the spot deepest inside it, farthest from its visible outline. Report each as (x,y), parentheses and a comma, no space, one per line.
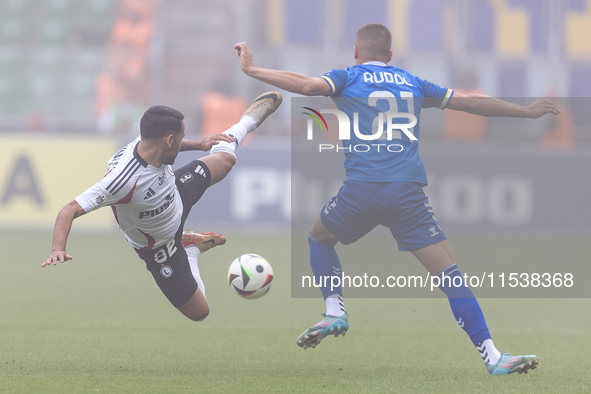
(144,199)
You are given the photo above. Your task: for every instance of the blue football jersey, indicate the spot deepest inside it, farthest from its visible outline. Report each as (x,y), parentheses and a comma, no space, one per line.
(373,88)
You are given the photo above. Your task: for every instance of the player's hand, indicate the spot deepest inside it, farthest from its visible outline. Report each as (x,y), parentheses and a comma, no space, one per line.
(245,56)
(54,257)
(215,139)
(542,107)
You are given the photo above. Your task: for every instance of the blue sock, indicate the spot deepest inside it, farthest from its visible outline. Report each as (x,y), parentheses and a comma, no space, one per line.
(325,264)
(464,306)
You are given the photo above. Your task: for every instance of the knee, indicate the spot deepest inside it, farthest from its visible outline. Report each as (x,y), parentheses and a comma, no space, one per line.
(194,309)
(199,315)
(324,237)
(225,163)
(228,160)
(321,233)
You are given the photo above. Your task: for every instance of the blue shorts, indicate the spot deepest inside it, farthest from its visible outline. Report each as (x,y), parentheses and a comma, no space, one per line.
(401,206)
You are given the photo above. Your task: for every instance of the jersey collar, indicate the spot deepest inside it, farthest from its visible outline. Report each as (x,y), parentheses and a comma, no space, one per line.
(375,63)
(138,157)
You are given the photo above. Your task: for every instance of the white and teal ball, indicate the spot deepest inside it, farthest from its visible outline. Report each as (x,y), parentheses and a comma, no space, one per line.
(250,276)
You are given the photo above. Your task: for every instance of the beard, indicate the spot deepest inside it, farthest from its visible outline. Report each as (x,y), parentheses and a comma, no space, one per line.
(169,160)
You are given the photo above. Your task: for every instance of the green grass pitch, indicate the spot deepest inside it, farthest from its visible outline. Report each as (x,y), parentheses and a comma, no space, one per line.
(99,324)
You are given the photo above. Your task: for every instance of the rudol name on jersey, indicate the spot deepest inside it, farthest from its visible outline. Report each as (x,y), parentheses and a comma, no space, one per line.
(385,77)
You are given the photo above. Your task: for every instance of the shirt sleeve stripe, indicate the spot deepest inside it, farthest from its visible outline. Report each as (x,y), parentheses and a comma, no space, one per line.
(121,175)
(117,188)
(445,101)
(331,83)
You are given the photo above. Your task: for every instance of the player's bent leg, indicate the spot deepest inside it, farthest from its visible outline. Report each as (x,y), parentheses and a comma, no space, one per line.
(176,279)
(219,164)
(196,308)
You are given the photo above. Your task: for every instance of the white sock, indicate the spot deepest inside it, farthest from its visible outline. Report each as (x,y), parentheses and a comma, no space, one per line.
(193,253)
(488,351)
(335,305)
(239,132)
(249,123)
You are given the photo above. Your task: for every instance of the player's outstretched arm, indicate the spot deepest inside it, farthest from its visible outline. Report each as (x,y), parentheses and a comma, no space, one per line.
(479,104)
(286,80)
(63,224)
(205,144)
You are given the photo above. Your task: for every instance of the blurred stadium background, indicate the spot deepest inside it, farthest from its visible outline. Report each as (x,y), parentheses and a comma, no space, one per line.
(76,76)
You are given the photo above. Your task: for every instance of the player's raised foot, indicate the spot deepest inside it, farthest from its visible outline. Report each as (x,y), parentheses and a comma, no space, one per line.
(263,106)
(508,364)
(330,325)
(204,241)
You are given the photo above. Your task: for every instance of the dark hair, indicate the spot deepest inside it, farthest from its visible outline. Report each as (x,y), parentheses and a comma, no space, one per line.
(160,120)
(373,41)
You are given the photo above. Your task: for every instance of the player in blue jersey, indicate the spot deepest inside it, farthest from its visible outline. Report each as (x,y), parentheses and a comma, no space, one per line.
(386,189)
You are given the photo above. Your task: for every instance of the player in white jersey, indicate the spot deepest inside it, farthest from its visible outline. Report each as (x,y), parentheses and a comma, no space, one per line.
(151,202)
(149,210)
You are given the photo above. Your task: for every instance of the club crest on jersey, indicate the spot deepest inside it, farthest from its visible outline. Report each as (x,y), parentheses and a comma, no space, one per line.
(161,179)
(156,185)
(166,271)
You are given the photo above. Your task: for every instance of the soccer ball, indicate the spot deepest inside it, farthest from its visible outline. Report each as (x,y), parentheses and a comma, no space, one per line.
(250,276)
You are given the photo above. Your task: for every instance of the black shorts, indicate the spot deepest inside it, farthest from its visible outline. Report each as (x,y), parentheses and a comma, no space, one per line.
(169,263)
